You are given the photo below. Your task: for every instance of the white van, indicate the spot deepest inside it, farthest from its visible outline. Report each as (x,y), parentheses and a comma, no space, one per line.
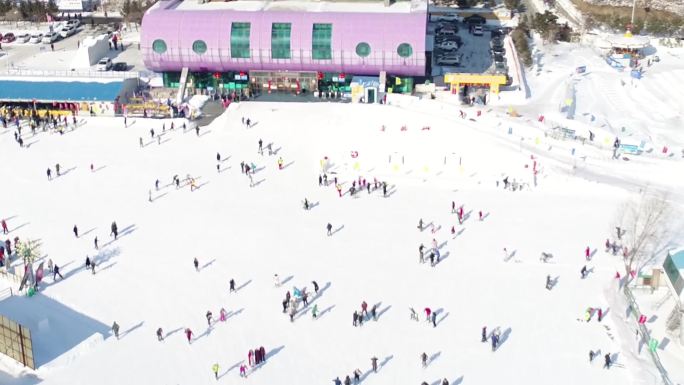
(478,30)
(36,38)
(50,37)
(67,31)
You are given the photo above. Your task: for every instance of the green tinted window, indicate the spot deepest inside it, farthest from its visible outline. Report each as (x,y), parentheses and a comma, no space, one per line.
(405,50)
(280,40)
(239,41)
(363,49)
(199,47)
(321,45)
(159,46)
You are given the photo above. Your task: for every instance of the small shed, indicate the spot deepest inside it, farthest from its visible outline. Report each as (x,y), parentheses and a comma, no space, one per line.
(365,89)
(475,19)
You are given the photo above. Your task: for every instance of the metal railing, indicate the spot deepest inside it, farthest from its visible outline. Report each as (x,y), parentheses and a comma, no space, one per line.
(646,336)
(70,74)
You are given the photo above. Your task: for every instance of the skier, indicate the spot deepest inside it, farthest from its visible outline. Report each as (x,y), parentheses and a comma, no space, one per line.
(50,265)
(196,263)
(243,370)
(115,230)
(276,279)
(156,184)
(618,230)
(434,320)
(92,266)
(384,189)
(339,189)
(315,285)
(57,169)
(115,329)
(548,282)
(329,228)
(587,253)
(432,259)
(314,311)
(364,309)
(223,315)
(337,381)
(293,312)
(188,335)
(484,334)
(608,361)
(96,247)
(306,204)
(600,314)
(320,180)
(160,337)
(140,141)
(374,364)
(149,195)
(197,130)
(5,230)
(584,271)
(347,381)
(480,216)
(49,173)
(414,315)
(356,317)
(232,285)
(209,316)
(215,369)
(420,253)
(445,382)
(87,262)
(427,311)
(453,207)
(261,148)
(374,313)
(453,230)
(357,376)
(424,358)
(152,133)
(591,356)
(56,273)
(250,357)
(420,224)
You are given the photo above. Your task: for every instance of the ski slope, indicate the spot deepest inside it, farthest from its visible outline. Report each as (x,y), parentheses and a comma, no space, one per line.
(146,280)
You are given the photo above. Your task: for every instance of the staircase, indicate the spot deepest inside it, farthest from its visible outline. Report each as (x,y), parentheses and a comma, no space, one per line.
(181,86)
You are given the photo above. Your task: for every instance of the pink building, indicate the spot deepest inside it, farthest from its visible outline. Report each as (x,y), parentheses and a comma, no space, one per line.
(361,38)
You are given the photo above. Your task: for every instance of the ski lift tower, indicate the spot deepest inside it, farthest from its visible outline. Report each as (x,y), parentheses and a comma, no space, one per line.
(674,270)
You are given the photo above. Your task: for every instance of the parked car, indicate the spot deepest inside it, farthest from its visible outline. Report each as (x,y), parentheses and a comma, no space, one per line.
(73,23)
(499,50)
(449,17)
(478,30)
(36,38)
(499,59)
(447,44)
(23,37)
(105,64)
(500,68)
(50,38)
(8,37)
(67,31)
(448,61)
(120,66)
(446,32)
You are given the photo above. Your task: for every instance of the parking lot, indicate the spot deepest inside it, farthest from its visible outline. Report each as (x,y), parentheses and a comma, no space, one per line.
(25,54)
(456,47)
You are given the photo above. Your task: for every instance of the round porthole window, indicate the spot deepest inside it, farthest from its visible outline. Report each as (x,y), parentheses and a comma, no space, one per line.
(199,47)
(159,46)
(405,50)
(363,49)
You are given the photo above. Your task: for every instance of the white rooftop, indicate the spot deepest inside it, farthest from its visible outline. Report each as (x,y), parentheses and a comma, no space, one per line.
(299,6)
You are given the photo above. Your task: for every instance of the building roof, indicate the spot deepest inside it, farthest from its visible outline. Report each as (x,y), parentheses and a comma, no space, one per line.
(404,6)
(678,259)
(58,91)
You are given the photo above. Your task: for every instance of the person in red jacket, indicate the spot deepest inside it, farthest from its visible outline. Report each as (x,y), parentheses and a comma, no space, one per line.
(587,253)
(427,314)
(4,227)
(250,358)
(364,308)
(188,334)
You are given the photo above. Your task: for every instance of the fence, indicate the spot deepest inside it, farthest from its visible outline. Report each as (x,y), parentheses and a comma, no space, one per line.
(71,74)
(15,342)
(646,336)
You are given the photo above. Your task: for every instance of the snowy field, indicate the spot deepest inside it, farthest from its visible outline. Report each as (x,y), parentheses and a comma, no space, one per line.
(146,279)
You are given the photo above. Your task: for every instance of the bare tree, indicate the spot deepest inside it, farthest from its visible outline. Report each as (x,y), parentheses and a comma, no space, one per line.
(644,223)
